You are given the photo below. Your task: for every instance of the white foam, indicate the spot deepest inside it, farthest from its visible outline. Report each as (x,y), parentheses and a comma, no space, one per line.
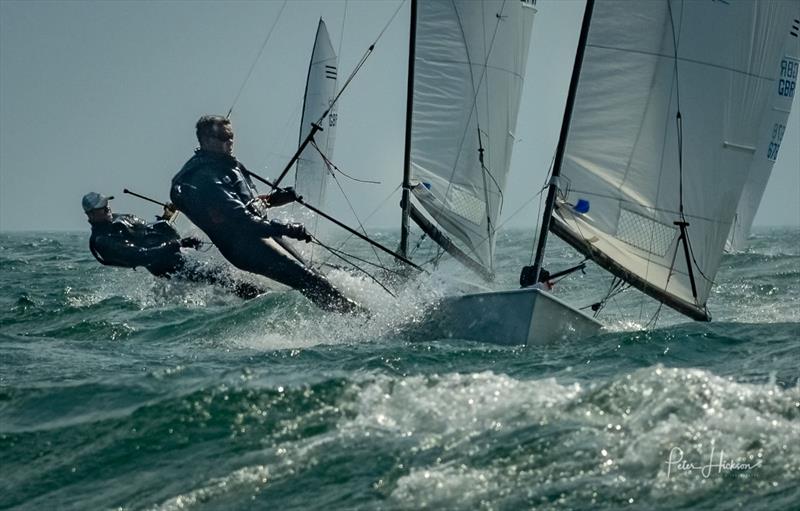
(243,479)
(301,325)
(447,487)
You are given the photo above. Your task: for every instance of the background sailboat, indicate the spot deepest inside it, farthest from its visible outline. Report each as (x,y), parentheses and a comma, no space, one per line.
(311,173)
(772,133)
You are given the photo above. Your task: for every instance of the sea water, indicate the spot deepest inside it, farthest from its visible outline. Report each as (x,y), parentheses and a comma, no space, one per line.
(122,391)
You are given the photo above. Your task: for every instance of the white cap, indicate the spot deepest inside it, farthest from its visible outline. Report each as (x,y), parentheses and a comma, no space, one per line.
(94,200)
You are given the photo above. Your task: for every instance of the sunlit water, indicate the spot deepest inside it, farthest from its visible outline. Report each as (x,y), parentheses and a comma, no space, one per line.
(118,391)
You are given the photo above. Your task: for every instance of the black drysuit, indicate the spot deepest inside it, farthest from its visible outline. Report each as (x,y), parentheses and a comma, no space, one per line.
(215,192)
(130,242)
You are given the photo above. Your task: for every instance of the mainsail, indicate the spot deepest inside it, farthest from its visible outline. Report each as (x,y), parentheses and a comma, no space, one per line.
(772,131)
(670,112)
(311,177)
(467,67)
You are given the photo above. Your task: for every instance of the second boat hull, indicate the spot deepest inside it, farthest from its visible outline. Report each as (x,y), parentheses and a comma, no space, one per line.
(517,317)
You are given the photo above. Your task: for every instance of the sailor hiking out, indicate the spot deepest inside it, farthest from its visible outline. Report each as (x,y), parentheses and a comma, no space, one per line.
(214,190)
(128,241)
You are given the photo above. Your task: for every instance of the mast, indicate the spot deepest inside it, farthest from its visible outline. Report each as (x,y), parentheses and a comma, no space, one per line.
(404,203)
(562,140)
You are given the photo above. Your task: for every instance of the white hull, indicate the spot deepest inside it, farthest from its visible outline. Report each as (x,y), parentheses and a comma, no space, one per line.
(517,317)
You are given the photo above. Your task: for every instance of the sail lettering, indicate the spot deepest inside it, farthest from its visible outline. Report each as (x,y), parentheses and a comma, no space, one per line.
(777,136)
(788,78)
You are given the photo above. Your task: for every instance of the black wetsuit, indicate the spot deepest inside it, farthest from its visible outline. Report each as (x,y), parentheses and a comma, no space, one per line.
(216,194)
(130,242)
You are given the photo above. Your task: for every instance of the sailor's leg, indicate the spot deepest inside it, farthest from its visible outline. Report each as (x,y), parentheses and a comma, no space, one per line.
(326,297)
(214,275)
(314,286)
(270,259)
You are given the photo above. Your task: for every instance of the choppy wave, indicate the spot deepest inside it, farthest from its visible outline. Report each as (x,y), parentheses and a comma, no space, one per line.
(119,391)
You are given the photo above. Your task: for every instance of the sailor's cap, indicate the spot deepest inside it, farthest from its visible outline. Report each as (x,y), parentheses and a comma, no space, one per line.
(94,200)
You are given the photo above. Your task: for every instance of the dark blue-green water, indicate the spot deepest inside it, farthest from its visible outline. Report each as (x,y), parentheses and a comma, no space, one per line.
(118,391)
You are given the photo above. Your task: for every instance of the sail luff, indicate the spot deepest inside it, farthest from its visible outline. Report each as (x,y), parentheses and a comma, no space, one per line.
(562,139)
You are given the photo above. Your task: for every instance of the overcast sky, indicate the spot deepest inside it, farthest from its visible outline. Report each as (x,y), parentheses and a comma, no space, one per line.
(101,96)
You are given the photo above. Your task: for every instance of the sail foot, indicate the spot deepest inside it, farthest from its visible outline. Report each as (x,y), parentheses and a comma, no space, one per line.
(560,228)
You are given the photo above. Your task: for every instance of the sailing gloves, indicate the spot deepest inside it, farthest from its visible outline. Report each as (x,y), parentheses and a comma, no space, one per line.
(169,212)
(295,231)
(298,232)
(191,242)
(280,197)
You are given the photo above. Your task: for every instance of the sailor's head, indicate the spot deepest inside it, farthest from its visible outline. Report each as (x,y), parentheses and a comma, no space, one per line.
(215,134)
(96,207)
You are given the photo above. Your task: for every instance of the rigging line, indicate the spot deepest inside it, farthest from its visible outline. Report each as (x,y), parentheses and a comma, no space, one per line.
(341,31)
(333,166)
(601,303)
(346,198)
(476,89)
(485,170)
(353,256)
(378,208)
(616,303)
(656,315)
(671,271)
(539,213)
(419,243)
(515,213)
(482,153)
(678,119)
(679,128)
(648,207)
(652,209)
(618,286)
(437,258)
(253,66)
(699,270)
(356,267)
(360,63)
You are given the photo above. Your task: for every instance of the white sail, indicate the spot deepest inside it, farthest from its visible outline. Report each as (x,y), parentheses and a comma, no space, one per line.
(772,132)
(469,66)
(311,177)
(672,108)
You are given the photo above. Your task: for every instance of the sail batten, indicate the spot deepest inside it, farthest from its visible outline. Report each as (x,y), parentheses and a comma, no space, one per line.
(669,95)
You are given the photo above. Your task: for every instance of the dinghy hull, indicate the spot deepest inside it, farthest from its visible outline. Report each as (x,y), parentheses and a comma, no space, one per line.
(516,317)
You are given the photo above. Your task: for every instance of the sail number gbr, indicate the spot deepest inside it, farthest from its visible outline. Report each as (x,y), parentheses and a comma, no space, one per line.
(775,143)
(787,81)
